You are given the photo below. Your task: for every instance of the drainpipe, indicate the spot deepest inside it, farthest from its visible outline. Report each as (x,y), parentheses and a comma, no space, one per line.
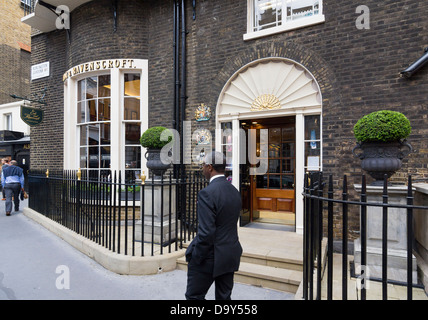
(415,66)
(183,79)
(175,120)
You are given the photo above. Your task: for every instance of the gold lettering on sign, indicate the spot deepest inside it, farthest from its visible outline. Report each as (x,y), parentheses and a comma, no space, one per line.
(99,65)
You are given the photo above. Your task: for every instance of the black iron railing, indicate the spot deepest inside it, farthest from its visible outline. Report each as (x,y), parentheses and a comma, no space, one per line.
(319,209)
(127,218)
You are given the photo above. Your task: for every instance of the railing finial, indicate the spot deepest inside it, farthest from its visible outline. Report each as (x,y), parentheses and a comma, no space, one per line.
(143,178)
(79,174)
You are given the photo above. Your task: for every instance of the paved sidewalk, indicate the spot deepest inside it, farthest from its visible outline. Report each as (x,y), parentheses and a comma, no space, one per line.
(34,264)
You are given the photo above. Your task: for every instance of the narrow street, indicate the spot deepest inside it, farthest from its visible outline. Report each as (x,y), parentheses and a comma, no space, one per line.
(37,265)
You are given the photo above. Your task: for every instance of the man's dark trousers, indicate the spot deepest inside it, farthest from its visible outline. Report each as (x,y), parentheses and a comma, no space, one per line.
(12,189)
(200,278)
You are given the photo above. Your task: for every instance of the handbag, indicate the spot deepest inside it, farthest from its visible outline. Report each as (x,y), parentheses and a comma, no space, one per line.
(23,195)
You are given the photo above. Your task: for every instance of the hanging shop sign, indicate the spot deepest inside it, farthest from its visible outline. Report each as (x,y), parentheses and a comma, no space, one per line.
(99,65)
(31,116)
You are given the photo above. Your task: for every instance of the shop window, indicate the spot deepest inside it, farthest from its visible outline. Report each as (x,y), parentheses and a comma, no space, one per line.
(94,122)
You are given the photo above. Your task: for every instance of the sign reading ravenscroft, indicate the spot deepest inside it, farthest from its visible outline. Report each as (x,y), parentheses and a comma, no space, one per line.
(99,65)
(31,116)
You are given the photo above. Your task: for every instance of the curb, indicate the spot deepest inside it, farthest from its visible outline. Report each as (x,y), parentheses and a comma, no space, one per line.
(117,263)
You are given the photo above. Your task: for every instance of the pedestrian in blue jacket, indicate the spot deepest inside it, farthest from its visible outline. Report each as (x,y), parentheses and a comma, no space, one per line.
(12,180)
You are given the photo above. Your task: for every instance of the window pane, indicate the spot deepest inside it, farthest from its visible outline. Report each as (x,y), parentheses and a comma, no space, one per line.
(83,157)
(312,155)
(91,114)
(274,181)
(288,150)
(83,135)
(104,109)
(288,134)
(105,157)
(81,106)
(104,86)
(93,157)
(302,8)
(274,142)
(91,88)
(105,133)
(287,165)
(312,127)
(132,133)
(287,182)
(131,175)
(132,85)
(268,13)
(132,109)
(274,166)
(226,128)
(81,90)
(133,157)
(94,135)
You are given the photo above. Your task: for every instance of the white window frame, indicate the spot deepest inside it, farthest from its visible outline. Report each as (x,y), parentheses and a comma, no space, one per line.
(117,134)
(285,26)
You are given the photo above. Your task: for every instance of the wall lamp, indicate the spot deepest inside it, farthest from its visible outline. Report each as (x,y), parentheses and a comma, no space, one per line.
(415,66)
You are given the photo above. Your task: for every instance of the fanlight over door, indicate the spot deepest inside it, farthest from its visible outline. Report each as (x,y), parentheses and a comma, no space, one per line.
(267,86)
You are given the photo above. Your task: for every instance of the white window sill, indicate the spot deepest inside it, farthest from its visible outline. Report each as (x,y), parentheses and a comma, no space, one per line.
(306,22)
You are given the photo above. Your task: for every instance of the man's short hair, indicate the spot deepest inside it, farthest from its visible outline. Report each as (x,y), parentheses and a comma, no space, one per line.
(217,160)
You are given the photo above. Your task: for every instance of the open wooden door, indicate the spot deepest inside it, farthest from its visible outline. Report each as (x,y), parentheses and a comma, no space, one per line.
(273,193)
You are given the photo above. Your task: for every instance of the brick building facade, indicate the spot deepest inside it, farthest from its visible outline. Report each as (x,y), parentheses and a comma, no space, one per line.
(354,70)
(15,57)
(15,48)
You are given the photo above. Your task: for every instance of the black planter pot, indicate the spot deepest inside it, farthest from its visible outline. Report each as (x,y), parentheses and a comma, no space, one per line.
(154,162)
(380,158)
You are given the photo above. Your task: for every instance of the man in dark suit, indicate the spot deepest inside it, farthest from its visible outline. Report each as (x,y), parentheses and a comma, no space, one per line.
(215,252)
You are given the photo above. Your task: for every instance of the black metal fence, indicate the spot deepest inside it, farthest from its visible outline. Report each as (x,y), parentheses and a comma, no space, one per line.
(127,218)
(318,209)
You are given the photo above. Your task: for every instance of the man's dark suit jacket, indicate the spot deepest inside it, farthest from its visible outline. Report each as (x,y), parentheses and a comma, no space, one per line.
(218,208)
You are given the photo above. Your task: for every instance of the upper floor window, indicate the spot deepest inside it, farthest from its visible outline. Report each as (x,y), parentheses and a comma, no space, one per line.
(267,17)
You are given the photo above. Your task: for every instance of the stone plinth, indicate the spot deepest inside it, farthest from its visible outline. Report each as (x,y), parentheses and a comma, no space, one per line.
(397,235)
(158,218)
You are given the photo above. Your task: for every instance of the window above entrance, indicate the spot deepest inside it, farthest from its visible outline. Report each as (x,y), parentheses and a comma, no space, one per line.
(266,17)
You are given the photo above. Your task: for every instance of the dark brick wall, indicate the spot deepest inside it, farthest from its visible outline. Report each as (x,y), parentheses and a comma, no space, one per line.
(357,70)
(47,139)
(14,73)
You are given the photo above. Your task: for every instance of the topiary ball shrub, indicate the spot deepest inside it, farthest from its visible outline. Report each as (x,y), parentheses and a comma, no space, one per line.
(150,139)
(384,126)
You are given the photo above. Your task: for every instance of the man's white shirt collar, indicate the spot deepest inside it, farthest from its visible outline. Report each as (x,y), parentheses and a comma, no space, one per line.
(216,176)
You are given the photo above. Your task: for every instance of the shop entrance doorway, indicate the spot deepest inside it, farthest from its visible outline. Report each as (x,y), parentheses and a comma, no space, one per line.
(270,197)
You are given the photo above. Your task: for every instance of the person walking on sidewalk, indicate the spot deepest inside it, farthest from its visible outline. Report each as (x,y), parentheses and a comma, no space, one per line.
(4,164)
(12,179)
(214,254)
